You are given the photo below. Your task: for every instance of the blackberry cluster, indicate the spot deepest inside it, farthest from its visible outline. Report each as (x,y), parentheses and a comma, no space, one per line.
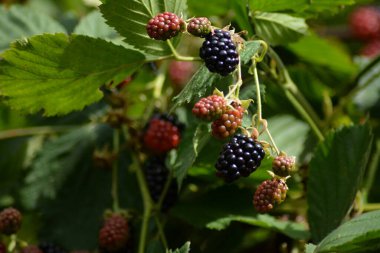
(283,165)
(156,174)
(48,247)
(10,221)
(228,122)
(240,157)
(31,249)
(210,107)
(199,27)
(219,52)
(365,23)
(114,234)
(162,133)
(165,26)
(270,192)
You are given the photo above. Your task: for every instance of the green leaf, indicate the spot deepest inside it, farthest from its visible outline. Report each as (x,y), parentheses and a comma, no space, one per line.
(361,234)
(310,248)
(192,143)
(184,249)
(94,25)
(325,53)
(293,230)
(201,83)
(18,22)
(178,7)
(335,175)
(278,5)
(278,28)
(250,49)
(129,18)
(60,74)
(332,6)
(209,8)
(242,16)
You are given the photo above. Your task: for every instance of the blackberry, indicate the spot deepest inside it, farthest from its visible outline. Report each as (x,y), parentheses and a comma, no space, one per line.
(240,157)
(228,122)
(48,247)
(365,23)
(114,234)
(165,26)
(283,165)
(10,221)
(219,52)
(31,249)
(199,27)
(270,192)
(162,133)
(210,107)
(156,174)
(371,49)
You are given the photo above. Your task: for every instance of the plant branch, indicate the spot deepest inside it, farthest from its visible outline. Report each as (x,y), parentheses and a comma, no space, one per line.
(179,57)
(161,231)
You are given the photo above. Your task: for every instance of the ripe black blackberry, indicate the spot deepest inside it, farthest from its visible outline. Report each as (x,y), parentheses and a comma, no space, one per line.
(199,27)
(10,221)
(219,52)
(48,247)
(270,192)
(240,157)
(156,174)
(165,26)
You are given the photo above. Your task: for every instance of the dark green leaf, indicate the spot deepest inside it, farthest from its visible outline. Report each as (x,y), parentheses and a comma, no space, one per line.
(250,49)
(184,249)
(278,5)
(361,234)
(60,74)
(278,28)
(335,175)
(293,230)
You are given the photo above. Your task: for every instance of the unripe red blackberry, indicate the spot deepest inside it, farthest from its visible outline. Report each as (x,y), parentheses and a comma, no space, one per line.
(199,27)
(219,52)
(31,249)
(180,73)
(371,49)
(162,134)
(283,165)
(3,248)
(156,174)
(270,192)
(114,234)
(48,247)
(239,157)
(165,26)
(10,221)
(228,122)
(210,108)
(365,23)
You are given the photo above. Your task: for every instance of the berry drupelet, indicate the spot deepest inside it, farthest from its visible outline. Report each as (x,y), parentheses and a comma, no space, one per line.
(270,192)
(10,221)
(156,174)
(162,133)
(199,27)
(239,157)
(283,165)
(210,108)
(219,52)
(165,26)
(114,234)
(228,122)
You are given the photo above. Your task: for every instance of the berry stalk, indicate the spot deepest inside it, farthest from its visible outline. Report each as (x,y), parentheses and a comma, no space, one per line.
(115,171)
(179,57)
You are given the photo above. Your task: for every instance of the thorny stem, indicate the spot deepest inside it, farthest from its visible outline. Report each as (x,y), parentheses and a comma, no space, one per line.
(115,170)
(161,231)
(179,57)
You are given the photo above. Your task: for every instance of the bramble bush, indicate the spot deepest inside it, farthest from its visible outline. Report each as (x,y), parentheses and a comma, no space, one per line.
(189,126)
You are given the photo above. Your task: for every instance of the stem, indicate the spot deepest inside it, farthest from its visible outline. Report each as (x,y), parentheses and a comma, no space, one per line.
(258,95)
(272,141)
(371,207)
(164,191)
(372,169)
(115,171)
(180,57)
(21,132)
(236,88)
(144,229)
(161,232)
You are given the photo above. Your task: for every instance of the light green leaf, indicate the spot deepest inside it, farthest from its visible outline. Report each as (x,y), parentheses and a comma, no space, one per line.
(250,49)
(278,5)
(59,74)
(129,18)
(278,28)
(184,249)
(94,25)
(293,230)
(18,22)
(335,175)
(192,143)
(361,234)
(325,53)
(209,8)
(310,248)
(178,7)
(331,6)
